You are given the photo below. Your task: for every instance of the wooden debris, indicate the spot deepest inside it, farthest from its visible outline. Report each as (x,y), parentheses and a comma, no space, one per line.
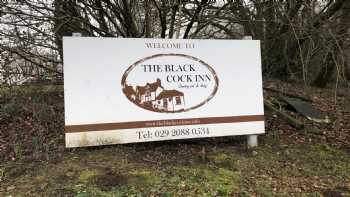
(281,94)
(306,110)
(292,121)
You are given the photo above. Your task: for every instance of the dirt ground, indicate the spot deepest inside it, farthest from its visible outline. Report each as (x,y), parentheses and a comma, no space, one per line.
(288,162)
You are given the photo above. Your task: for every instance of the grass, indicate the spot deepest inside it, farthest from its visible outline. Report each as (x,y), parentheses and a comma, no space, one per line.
(278,167)
(295,170)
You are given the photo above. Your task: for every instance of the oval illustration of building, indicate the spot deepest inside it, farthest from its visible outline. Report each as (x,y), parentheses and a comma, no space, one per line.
(170,83)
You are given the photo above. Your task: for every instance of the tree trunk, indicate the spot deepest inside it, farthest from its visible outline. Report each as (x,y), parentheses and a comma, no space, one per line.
(347,63)
(148,19)
(326,73)
(174,9)
(64,22)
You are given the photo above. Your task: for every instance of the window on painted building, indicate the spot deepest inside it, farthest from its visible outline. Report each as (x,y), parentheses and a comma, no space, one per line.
(178,100)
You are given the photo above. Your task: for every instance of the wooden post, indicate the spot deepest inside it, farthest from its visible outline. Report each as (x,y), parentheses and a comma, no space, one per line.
(252,140)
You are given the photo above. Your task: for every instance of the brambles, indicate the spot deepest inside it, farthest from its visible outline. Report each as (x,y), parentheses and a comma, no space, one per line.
(31,123)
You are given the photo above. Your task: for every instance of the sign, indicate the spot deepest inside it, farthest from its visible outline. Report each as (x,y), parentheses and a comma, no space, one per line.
(138,90)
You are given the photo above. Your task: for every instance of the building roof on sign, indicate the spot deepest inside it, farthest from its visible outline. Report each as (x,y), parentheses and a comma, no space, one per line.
(169,94)
(129,90)
(155,85)
(150,86)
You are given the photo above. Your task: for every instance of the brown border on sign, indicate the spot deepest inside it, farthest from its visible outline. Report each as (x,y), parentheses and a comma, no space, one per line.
(162,123)
(123,82)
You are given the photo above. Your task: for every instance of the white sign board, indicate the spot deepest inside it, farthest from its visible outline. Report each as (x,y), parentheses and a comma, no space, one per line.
(137,90)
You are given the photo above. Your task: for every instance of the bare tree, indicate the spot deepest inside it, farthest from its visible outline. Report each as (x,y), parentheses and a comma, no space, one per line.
(301,40)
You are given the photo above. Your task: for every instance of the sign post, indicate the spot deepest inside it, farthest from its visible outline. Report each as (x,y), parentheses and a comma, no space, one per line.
(138,90)
(252,140)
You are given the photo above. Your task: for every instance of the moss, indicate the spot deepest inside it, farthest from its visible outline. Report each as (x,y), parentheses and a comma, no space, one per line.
(285,168)
(146,177)
(89,192)
(40,178)
(313,194)
(199,180)
(225,180)
(206,180)
(323,160)
(87,176)
(221,159)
